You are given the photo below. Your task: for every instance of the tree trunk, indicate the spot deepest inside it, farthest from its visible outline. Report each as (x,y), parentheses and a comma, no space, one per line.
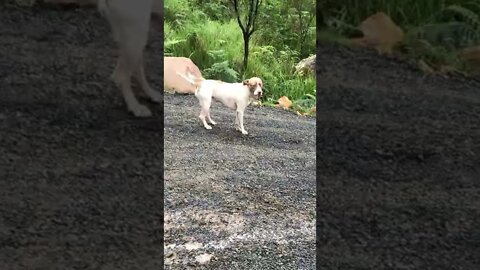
(246,41)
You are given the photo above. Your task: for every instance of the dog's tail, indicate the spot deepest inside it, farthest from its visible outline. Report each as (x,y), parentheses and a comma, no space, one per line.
(190,78)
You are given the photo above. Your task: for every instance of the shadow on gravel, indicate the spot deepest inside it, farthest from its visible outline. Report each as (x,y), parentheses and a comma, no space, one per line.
(399,164)
(80,178)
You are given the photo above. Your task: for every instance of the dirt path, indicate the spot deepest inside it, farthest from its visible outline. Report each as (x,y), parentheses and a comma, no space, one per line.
(249,200)
(399,165)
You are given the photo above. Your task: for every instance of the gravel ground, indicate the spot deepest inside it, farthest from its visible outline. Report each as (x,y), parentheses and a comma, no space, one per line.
(249,200)
(81,179)
(399,165)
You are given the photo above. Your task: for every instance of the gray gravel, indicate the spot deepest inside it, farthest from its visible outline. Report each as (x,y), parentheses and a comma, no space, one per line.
(399,164)
(249,200)
(80,177)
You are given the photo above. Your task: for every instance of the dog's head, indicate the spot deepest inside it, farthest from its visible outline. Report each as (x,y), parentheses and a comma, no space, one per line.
(255,85)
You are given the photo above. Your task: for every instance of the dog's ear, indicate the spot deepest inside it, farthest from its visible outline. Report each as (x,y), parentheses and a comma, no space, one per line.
(245,82)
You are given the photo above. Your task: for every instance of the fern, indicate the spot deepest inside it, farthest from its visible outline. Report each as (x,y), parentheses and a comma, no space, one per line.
(169,44)
(222,71)
(470,17)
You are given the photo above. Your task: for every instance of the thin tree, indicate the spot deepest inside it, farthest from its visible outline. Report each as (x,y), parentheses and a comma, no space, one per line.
(248,26)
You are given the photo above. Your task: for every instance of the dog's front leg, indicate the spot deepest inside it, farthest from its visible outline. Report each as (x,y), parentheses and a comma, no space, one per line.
(202,116)
(142,79)
(240,121)
(122,78)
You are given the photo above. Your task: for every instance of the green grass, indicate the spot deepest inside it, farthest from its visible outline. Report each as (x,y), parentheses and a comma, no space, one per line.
(204,43)
(216,47)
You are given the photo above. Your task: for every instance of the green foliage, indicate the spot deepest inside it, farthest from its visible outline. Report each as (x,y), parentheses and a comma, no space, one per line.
(208,33)
(445,25)
(222,71)
(176,12)
(217,10)
(294,23)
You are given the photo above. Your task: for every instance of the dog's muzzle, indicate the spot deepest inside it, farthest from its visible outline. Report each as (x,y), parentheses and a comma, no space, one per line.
(258,95)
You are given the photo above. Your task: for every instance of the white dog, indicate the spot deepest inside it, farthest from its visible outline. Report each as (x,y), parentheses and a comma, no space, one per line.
(233,95)
(130,23)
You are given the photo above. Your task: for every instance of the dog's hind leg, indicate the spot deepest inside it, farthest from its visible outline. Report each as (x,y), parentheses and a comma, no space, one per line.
(209,117)
(130,27)
(203,114)
(122,76)
(205,111)
(142,79)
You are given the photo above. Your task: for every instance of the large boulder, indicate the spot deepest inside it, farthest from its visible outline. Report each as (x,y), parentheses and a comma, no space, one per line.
(172,82)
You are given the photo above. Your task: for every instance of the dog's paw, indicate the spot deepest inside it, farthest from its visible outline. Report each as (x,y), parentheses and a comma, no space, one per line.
(213,122)
(156,96)
(141,111)
(208,127)
(244,132)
